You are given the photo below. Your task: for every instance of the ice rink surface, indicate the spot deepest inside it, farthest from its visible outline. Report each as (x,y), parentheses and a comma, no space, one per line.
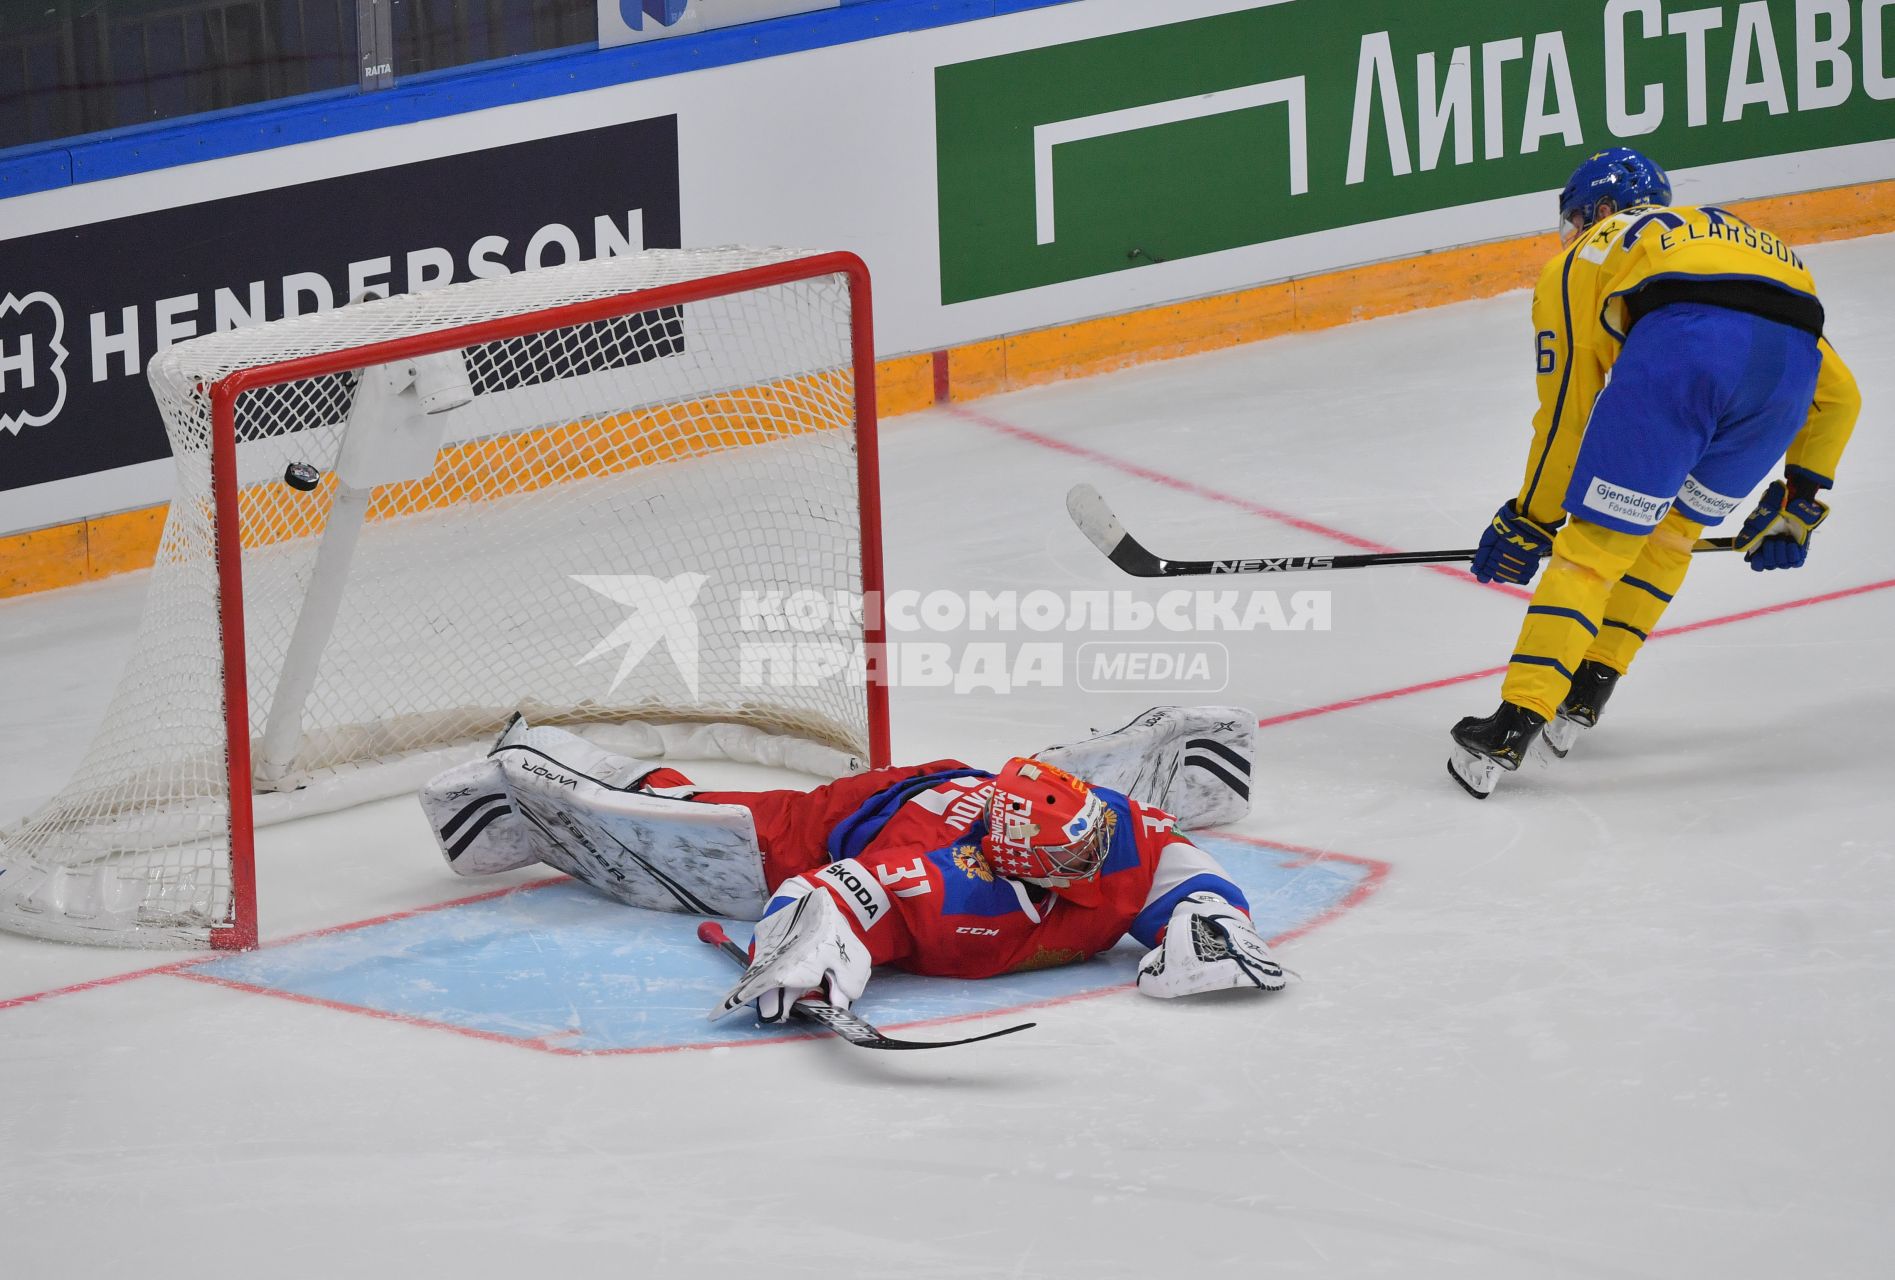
(1632,1017)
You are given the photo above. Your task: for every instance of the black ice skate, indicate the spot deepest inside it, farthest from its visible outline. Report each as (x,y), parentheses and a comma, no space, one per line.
(1485,746)
(1592,685)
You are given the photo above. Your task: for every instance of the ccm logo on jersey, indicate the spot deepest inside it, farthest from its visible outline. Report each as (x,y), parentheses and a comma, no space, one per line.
(978,931)
(857,889)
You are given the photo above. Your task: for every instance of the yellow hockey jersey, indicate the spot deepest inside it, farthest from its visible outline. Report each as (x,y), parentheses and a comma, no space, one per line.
(1589,296)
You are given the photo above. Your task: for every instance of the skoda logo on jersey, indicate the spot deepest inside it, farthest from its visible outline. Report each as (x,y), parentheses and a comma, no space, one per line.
(32,361)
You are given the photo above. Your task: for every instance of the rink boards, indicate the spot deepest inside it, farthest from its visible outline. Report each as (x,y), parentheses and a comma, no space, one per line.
(555,967)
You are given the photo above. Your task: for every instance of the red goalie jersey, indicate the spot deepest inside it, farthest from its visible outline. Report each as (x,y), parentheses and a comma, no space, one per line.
(899,850)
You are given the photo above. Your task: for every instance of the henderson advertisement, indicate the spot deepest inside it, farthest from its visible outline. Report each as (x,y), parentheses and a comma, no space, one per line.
(999,175)
(85,308)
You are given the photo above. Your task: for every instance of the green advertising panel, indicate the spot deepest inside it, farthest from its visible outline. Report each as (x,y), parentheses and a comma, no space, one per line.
(1110,153)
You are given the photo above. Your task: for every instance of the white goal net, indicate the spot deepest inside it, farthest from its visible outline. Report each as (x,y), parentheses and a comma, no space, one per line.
(582,493)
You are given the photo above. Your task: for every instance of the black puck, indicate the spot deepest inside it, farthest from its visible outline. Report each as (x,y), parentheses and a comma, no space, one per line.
(300,475)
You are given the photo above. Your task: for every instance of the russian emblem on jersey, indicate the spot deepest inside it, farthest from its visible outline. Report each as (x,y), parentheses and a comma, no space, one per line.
(968,860)
(32,361)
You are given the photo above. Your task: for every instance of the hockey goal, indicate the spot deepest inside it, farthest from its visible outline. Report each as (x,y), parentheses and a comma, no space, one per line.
(585,493)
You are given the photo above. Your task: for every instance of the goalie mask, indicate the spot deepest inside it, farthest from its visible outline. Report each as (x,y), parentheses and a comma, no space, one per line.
(1044,825)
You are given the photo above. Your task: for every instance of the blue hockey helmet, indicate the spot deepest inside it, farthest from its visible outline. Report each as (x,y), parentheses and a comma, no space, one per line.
(1619,175)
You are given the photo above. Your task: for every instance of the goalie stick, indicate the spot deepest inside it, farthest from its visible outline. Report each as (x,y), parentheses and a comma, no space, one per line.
(856,1030)
(1095,519)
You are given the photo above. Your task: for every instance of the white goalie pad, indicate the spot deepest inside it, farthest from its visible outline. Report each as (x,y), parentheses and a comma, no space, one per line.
(1192,762)
(576,754)
(642,850)
(474,821)
(546,795)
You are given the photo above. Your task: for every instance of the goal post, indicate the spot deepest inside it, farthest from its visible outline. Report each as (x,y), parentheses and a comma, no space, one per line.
(584,493)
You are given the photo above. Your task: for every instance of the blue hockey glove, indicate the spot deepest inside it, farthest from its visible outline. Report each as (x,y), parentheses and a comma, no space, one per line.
(1776,534)
(1511,547)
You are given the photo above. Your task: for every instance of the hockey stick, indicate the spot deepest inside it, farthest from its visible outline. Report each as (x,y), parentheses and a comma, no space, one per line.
(1095,519)
(850,1027)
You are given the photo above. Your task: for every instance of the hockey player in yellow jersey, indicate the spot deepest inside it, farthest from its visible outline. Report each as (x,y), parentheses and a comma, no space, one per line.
(1679,354)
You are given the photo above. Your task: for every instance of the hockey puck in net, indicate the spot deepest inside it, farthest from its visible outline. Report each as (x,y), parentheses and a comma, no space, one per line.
(300,475)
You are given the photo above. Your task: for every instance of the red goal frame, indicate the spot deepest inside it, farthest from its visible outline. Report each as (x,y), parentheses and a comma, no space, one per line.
(241,933)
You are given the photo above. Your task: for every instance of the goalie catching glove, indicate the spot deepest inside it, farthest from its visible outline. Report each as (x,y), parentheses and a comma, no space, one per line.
(802,949)
(1209,946)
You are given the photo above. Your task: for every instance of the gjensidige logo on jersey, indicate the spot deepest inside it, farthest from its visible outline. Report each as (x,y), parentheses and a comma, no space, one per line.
(32,361)
(1627,504)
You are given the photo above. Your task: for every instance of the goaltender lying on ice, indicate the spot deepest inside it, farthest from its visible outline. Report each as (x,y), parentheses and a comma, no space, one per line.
(938,868)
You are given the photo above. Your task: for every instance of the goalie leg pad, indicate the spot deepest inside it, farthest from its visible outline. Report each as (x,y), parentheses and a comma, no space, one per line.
(474,821)
(1192,762)
(470,808)
(546,795)
(572,753)
(643,850)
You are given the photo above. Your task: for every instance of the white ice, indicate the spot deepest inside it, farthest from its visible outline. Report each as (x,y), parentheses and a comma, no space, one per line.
(1632,1017)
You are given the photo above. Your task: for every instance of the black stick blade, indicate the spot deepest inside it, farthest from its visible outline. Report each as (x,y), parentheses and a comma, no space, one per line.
(866,1035)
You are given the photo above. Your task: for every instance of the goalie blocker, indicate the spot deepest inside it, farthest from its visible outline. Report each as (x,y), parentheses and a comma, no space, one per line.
(900,856)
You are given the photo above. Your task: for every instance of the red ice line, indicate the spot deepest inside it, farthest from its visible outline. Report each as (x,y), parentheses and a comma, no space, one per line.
(1664,633)
(1214,495)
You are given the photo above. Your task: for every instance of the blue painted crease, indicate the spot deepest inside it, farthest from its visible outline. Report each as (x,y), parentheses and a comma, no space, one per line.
(565,968)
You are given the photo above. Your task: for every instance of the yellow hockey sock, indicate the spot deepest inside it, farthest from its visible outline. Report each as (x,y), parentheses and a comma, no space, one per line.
(1639,598)
(1563,618)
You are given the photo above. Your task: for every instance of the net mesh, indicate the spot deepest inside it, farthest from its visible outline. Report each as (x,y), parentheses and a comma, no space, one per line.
(605,535)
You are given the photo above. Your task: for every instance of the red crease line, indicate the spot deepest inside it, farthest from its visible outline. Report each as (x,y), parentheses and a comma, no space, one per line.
(108,981)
